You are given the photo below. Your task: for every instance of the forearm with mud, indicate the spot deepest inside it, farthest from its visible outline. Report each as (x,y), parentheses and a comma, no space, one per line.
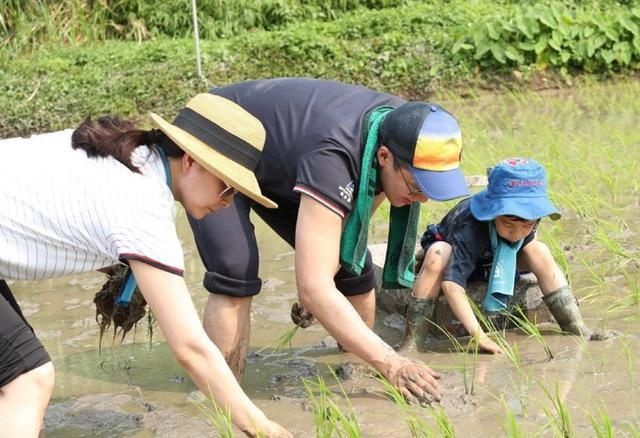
(342,321)
(459,303)
(208,369)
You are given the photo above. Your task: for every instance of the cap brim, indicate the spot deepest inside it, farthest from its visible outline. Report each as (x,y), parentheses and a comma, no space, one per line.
(485,208)
(234,174)
(441,186)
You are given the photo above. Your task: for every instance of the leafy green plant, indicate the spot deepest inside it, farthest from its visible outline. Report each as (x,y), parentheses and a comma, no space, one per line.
(554,34)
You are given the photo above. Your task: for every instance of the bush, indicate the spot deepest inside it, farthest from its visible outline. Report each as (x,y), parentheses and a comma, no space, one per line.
(27,24)
(569,37)
(413,50)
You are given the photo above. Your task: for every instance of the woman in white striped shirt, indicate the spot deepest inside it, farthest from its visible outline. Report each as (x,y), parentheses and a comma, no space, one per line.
(76,201)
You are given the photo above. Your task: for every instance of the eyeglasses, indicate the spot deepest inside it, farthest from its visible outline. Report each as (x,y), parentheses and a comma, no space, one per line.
(227,192)
(412,191)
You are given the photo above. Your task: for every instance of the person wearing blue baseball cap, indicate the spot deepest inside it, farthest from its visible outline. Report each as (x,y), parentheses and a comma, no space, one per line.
(492,235)
(333,153)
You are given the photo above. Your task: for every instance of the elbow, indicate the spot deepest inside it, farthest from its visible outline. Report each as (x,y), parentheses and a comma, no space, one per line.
(189,353)
(309,291)
(305,297)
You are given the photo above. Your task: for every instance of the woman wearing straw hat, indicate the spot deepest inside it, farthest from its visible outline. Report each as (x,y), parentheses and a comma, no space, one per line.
(333,152)
(76,201)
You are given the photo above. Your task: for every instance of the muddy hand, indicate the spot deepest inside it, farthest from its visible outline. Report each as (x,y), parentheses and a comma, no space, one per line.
(301,317)
(418,383)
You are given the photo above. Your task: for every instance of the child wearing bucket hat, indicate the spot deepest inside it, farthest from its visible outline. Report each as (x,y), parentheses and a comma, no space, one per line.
(102,195)
(494,233)
(333,152)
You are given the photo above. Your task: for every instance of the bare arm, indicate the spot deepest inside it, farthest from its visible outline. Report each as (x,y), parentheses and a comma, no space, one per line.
(318,234)
(459,303)
(169,299)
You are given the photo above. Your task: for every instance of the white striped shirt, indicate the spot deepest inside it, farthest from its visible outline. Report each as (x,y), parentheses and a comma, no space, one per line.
(62,212)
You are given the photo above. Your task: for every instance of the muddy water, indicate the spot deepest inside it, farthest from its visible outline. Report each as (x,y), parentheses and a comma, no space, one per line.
(137,389)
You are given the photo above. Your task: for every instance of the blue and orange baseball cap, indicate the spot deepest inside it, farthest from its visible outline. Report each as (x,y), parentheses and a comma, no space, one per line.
(517,187)
(429,138)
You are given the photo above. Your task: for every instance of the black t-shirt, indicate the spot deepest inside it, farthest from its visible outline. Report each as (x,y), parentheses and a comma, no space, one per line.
(314,136)
(470,242)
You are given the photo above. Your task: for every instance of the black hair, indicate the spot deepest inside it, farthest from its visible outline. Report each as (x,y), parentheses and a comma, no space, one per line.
(116,137)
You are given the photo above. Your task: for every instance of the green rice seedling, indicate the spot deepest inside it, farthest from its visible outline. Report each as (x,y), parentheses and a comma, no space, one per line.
(468,371)
(283,341)
(634,288)
(631,300)
(418,428)
(633,430)
(512,352)
(511,425)
(444,423)
(531,329)
(218,417)
(628,356)
(602,235)
(603,427)
(596,277)
(328,416)
(559,416)
(557,252)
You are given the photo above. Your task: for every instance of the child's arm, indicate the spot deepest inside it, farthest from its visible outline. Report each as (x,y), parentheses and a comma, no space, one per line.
(457,299)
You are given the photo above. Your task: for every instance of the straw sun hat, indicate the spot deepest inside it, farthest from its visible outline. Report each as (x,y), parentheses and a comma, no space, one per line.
(223,138)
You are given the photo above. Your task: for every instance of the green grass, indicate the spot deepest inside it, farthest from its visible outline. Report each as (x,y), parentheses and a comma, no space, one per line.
(400,48)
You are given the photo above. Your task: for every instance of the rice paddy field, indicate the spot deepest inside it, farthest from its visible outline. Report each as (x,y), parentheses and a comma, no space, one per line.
(588,138)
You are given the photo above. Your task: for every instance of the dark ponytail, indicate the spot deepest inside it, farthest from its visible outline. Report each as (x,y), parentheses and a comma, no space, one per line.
(115,137)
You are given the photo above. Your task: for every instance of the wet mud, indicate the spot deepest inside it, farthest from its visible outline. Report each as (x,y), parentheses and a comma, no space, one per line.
(136,388)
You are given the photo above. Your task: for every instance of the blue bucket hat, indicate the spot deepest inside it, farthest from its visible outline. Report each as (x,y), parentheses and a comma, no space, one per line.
(517,187)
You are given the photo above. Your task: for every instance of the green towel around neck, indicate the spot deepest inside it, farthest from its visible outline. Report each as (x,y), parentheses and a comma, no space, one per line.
(399,262)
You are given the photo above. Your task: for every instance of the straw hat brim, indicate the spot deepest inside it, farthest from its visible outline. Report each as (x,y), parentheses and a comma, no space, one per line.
(234,174)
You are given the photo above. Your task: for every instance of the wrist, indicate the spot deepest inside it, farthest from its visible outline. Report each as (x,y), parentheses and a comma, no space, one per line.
(254,422)
(391,365)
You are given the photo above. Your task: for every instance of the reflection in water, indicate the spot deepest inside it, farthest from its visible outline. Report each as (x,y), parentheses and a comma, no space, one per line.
(132,389)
